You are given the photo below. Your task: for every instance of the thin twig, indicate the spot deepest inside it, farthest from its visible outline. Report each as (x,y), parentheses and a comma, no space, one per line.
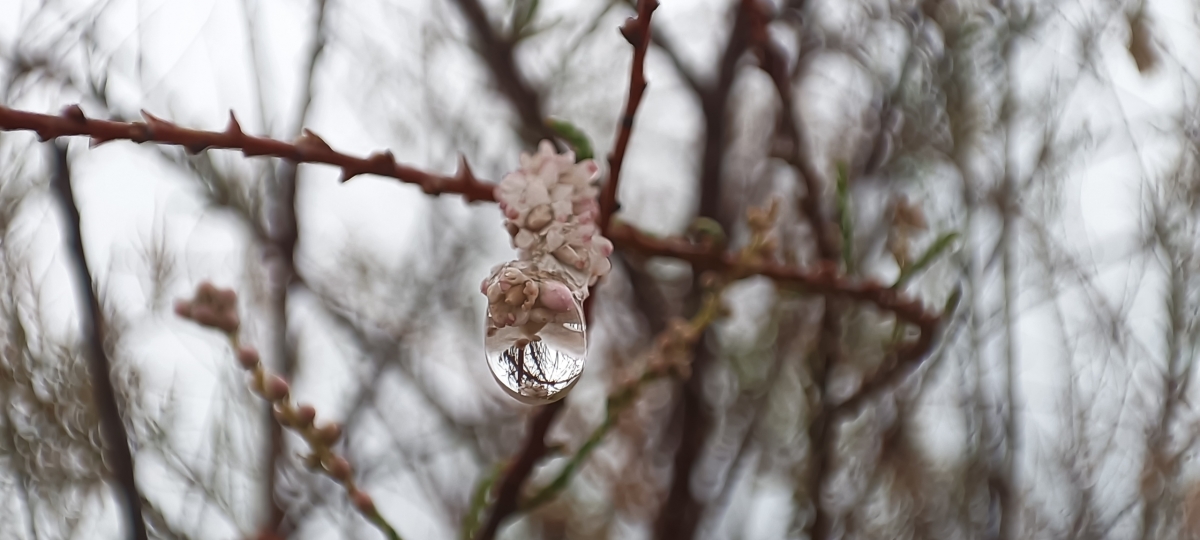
(116,440)
(637,33)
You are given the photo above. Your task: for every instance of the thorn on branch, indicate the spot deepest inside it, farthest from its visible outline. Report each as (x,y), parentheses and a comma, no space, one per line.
(234,129)
(311,141)
(75,113)
(633,31)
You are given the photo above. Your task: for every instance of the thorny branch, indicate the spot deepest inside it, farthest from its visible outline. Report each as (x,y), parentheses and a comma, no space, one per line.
(823,279)
(116,440)
(308,148)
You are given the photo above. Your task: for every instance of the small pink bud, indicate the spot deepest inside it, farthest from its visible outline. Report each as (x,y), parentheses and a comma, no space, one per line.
(338,468)
(229,322)
(248,357)
(305,415)
(328,433)
(183,308)
(204,315)
(363,502)
(275,388)
(205,292)
(225,297)
(555,296)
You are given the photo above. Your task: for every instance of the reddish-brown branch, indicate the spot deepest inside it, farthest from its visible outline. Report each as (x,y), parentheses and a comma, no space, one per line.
(823,279)
(637,31)
(508,492)
(309,148)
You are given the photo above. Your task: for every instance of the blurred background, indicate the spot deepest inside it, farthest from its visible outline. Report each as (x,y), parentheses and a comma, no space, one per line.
(1042,153)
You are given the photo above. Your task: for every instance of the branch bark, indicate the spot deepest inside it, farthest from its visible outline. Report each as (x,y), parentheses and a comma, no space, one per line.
(112,427)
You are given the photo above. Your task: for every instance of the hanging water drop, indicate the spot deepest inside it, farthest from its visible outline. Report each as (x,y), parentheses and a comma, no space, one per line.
(538,362)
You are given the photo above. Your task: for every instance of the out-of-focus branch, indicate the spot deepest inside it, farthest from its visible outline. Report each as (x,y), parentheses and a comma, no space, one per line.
(681,512)
(497,53)
(283,231)
(116,440)
(308,148)
(773,61)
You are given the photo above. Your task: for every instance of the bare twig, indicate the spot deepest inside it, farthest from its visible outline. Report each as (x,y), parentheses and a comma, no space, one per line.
(116,440)
(637,31)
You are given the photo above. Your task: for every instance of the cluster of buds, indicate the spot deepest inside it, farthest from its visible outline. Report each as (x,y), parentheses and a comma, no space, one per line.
(516,297)
(211,307)
(550,212)
(217,308)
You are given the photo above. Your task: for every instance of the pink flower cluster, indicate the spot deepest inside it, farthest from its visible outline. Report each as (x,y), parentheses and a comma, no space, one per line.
(550,211)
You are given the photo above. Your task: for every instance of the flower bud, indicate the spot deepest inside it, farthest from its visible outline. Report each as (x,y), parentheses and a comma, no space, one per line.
(248,357)
(328,434)
(338,468)
(305,415)
(363,502)
(229,322)
(225,298)
(204,315)
(183,308)
(275,388)
(205,292)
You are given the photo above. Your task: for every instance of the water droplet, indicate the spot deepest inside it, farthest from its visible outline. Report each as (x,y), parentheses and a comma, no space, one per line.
(539,363)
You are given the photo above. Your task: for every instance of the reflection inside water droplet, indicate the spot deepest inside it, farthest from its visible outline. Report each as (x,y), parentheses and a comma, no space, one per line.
(537,364)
